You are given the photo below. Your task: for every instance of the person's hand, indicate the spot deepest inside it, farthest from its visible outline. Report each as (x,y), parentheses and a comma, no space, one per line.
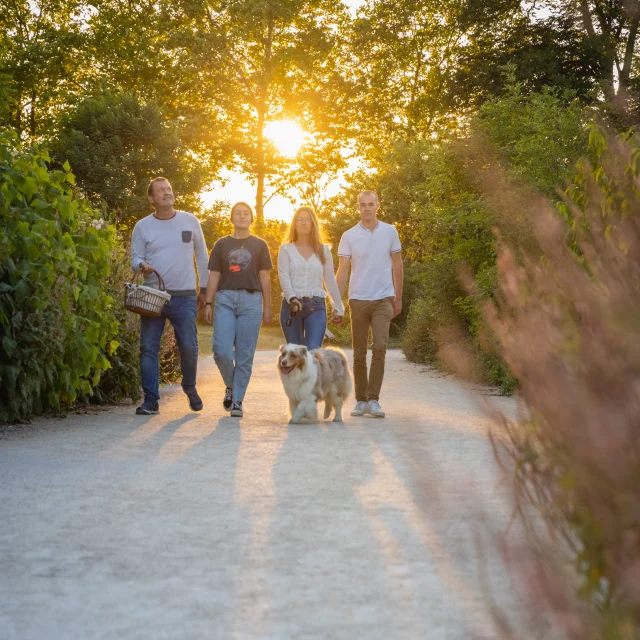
(336,319)
(266,317)
(208,313)
(201,300)
(295,305)
(397,306)
(146,268)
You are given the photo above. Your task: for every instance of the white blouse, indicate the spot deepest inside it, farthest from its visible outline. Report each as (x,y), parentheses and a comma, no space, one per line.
(302,278)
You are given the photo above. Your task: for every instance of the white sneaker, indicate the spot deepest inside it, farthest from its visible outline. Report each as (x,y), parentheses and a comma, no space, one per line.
(360,409)
(374,409)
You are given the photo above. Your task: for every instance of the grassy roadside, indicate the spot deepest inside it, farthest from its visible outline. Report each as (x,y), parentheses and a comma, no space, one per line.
(270,338)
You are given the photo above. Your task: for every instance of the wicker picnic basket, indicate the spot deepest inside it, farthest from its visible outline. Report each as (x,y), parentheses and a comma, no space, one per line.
(146,301)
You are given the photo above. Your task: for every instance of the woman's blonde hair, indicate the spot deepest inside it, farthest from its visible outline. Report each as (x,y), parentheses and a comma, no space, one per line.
(316,233)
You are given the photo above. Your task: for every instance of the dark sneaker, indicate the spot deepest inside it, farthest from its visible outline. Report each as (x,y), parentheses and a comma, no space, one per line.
(236,409)
(195,402)
(147,408)
(228,398)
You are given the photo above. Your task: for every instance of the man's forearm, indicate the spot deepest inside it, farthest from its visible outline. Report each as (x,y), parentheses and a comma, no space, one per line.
(341,279)
(398,279)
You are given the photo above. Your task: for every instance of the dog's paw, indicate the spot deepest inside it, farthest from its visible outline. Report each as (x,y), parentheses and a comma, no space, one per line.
(338,419)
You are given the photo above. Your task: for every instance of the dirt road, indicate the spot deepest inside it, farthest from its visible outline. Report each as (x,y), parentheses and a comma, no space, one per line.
(197,525)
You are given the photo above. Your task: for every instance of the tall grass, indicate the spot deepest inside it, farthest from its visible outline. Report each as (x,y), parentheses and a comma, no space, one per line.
(568,325)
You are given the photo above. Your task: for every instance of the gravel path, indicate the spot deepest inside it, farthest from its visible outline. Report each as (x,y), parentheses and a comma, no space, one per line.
(197,525)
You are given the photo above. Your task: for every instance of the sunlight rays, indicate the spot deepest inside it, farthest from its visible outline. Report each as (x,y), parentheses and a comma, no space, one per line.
(287,136)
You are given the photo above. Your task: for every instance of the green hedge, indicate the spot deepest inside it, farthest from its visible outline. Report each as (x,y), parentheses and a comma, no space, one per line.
(57,325)
(122,379)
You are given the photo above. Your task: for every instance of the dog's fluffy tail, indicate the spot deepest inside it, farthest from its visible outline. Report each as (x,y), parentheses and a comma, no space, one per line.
(348,387)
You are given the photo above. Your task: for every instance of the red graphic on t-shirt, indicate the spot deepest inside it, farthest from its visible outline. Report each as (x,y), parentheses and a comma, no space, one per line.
(239,260)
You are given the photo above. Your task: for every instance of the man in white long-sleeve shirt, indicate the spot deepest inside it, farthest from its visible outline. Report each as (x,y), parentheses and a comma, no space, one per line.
(166,242)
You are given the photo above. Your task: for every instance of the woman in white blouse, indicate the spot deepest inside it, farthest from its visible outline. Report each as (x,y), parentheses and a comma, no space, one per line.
(304,265)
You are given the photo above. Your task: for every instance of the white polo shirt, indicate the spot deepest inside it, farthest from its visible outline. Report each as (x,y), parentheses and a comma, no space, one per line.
(370,253)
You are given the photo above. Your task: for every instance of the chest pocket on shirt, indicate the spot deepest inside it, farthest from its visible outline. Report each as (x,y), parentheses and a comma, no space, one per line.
(186,236)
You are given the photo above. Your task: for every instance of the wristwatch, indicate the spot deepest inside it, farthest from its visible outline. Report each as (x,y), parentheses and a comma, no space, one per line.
(207,304)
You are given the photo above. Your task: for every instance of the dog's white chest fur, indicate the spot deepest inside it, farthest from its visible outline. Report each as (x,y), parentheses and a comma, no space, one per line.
(299,384)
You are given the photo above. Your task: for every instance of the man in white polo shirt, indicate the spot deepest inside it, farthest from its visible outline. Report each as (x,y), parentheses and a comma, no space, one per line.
(373,249)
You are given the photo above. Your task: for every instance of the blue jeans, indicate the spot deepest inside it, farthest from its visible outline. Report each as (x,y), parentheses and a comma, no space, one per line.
(307,326)
(181,312)
(237,316)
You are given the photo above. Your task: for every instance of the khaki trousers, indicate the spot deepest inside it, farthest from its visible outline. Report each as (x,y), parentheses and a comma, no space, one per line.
(377,315)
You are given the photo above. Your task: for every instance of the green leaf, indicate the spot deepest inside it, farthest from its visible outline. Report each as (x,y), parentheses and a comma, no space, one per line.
(11,374)
(21,291)
(9,345)
(9,265)
(30,187)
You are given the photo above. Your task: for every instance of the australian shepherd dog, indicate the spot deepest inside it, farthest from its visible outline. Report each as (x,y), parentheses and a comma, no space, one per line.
(313,376)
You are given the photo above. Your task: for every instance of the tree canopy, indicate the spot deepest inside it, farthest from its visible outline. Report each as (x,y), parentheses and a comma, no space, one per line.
(220,71)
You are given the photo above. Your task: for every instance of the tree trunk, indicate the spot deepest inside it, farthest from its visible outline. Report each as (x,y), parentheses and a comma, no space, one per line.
(263,108)
(628,55)
(605,44)
(260,169)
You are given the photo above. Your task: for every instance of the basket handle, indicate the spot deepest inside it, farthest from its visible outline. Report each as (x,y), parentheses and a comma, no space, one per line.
(139,272)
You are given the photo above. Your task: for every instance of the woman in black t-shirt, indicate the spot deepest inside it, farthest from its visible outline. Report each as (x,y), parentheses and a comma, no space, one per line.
(239,279)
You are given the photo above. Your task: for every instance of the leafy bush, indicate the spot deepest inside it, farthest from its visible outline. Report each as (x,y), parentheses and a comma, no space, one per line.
(115,144)
(436,194)
(215,222)
(444,222)
(122,379)
(57,325)
(418,339)
(540,134)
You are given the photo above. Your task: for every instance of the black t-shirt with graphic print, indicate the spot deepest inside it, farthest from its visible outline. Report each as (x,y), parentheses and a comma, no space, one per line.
(239,262)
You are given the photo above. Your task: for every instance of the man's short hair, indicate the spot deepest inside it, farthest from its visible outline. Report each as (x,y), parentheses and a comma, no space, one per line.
(150,187)
(369,193)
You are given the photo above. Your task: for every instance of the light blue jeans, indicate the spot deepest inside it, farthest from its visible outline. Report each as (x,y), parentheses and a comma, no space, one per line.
(237,316)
